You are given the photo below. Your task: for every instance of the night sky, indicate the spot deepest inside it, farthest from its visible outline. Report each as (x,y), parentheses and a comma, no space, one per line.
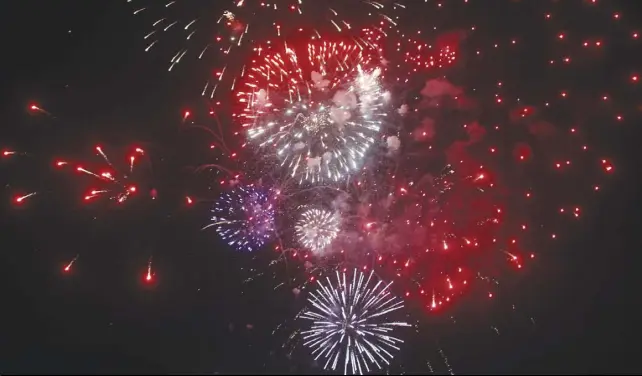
(84,62)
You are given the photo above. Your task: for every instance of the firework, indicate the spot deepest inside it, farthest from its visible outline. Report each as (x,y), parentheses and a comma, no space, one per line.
(244,218)
(319,107)
(226,31)
(317,228)
(114,175)
(350,323)
(117,184)
(436,233)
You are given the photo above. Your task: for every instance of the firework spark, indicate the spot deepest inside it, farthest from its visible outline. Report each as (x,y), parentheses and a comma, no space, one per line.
(244,218)
(350,323)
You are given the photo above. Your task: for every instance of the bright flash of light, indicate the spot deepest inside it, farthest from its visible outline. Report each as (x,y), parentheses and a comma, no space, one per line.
(319,107)
(317,228)
(350,323)
(244,218)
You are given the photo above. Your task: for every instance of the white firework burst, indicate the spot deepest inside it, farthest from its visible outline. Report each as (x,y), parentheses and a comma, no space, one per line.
(317,228)
(319,109)
(350,323)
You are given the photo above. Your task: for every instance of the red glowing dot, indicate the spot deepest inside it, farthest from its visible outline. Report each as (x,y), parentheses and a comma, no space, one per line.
(132,189)
(490,294)
(634,78)
(189,200)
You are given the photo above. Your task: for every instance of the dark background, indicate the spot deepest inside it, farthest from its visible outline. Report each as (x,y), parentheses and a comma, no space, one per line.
(100,319)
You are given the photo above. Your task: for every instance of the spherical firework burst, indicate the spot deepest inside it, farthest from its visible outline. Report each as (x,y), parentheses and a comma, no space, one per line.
(317,228)
(244,218)
(225,31)
(319,106)
(351,324)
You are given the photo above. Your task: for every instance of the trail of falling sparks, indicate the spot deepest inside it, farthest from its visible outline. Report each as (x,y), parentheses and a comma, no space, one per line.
(349,321)
(445,359)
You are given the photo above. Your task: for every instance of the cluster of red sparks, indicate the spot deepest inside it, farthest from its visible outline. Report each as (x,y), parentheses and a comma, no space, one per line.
(497,222)
(442,267)
(111,182)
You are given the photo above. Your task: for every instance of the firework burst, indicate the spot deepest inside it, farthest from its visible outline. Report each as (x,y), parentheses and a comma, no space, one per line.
(319,107)
(117,184)
(317,228)
(244,218)
(350,323)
